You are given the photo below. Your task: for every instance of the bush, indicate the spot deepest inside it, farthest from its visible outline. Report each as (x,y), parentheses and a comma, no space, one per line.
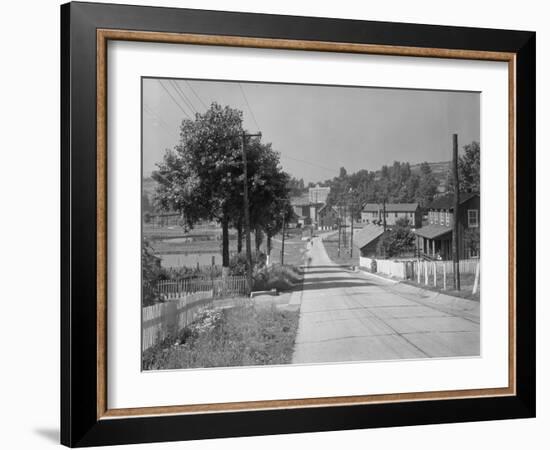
(238,263)
(277,277)
(399,240)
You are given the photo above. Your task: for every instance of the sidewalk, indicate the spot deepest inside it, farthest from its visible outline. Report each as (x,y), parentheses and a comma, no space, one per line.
(462,307)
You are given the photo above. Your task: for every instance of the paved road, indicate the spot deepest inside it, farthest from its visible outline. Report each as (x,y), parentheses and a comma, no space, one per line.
(350,316)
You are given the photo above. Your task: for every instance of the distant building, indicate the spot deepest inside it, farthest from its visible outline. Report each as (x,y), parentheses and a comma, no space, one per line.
(307,206)
(374,213)
(327,217)
(302,209)
(318,194)
(435,239)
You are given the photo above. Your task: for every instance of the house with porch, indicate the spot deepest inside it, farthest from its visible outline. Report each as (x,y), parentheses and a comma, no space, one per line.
(374,213)
(434,240)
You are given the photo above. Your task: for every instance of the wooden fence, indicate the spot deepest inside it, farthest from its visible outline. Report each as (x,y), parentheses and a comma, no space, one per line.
(164,319)
(228,286)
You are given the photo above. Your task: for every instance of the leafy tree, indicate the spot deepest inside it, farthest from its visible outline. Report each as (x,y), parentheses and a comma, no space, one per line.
(398,240)
(468,170)
(471,239)
(427,185)
(150,272)
(202,177)
(296,187)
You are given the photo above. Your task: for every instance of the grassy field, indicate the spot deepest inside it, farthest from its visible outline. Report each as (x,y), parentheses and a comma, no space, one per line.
(294,250)
(245,335)
(178,232)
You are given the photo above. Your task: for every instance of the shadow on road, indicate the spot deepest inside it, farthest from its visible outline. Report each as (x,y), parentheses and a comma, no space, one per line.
(332,285)
(335,278)
(334,267)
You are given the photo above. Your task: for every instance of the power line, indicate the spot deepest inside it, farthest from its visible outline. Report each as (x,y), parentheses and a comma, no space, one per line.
(155,116)
(175,101)
(182,95)
(249,108)
(308,162)
(196,95)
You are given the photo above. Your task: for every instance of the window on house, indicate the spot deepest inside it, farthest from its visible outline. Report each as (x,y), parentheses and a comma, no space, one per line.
(473,218)
(448,218)
(442,218)
(396,215)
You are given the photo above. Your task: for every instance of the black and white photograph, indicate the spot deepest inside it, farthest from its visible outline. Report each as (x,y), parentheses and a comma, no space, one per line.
(300,224)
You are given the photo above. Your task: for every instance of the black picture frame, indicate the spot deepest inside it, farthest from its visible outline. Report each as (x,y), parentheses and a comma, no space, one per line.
(80,425)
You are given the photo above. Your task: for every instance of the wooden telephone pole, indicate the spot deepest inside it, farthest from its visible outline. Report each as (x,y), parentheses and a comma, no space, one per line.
(384,212)
(456,240)
(351,215)
(283,243)
(247,212)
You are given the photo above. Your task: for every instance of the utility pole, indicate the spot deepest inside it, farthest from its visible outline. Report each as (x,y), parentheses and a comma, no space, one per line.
(456,241)
(339,229)
(344,233)
(351,214)
(283,243)
(384,212)
(247,211)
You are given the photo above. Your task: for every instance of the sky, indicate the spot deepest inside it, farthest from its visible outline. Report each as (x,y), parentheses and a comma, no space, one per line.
(318,129)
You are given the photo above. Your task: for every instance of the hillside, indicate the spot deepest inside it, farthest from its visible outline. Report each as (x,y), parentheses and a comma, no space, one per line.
(440,171)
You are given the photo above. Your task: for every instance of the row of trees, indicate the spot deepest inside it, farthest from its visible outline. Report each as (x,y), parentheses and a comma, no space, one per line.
(392,184)
(398,183)
(203,178)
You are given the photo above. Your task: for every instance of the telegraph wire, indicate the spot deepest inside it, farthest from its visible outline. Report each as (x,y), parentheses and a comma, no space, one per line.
(184,97)
(249,108)
(307,162)
(174,100)
(196,95)
(162,123)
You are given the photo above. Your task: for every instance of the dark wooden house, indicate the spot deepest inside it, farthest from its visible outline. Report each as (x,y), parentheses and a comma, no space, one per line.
(434,240)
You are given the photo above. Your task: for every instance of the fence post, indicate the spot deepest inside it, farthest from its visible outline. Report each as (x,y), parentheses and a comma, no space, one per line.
(418,271)
(435,274)
(476,280)
(425,272)
(444,277)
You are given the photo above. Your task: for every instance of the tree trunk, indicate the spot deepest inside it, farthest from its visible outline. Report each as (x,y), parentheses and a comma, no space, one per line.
(225,242)
(268,244)
(239,236)
(258,238)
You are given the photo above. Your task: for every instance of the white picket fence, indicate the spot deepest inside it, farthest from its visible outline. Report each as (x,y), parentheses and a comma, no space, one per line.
(168,318)
(430,273)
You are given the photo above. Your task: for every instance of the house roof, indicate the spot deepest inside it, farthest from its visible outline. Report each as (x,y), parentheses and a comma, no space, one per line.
(447,201)
(325,206)
(390,207)
(368,234)
(300,200)
(432,231)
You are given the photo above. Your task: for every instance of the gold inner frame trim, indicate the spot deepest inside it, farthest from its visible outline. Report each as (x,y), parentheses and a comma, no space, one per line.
(104,35)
